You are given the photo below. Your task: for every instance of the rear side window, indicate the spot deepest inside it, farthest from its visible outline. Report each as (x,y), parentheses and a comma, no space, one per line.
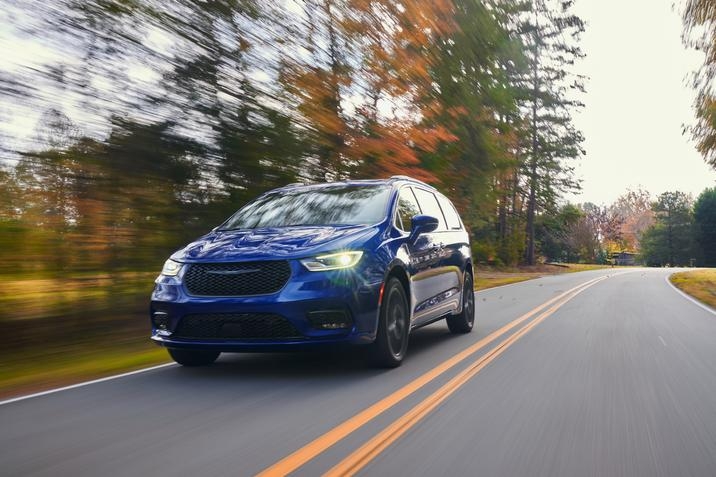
(451,217)
(407,209)
(429,205)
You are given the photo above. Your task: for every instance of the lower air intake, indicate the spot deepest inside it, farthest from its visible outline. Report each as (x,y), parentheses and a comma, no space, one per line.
(237,326)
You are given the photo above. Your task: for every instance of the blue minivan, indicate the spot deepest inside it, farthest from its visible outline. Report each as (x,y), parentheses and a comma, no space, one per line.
(360,262)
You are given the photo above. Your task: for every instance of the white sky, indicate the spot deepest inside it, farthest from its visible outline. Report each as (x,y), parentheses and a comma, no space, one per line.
(637,100)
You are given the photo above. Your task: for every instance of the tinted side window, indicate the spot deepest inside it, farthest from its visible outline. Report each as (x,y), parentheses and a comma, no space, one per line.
(429,205)
(407,208)
(451,217)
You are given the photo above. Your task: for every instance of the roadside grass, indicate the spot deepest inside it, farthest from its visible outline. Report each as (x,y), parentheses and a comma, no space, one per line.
(489,277)
(28,298)
(583,267)
(482,282)
(46,321)
(63,330)
(700,284)
(28,372)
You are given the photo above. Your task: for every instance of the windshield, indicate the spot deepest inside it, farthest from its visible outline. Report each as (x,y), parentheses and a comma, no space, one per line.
(335,205)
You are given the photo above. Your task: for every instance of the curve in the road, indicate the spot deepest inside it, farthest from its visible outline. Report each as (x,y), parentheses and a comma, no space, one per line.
(688,297)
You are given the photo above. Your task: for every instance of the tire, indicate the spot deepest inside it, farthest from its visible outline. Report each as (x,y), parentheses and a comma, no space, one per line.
(193,357)
(391,342)
(464,321)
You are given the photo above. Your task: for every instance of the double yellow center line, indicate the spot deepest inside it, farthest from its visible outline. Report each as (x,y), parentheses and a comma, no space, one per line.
(368,451)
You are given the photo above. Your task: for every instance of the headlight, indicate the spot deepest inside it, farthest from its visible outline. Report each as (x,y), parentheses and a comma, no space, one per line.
(171,268)
(333,261)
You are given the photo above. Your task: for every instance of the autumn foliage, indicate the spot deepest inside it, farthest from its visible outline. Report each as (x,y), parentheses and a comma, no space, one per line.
(189,109)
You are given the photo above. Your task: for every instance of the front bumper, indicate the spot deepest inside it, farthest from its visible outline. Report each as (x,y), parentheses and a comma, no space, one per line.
(355,292)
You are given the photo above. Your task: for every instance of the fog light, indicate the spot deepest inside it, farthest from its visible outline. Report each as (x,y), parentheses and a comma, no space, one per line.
(161,320)
(330,319)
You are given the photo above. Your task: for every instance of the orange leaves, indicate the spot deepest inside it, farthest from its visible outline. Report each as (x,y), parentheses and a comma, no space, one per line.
(366,93)
(394,149)
(319,99)
(398,68)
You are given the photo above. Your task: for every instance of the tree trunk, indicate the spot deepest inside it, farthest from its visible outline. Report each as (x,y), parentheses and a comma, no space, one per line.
(532,202)
(331,152)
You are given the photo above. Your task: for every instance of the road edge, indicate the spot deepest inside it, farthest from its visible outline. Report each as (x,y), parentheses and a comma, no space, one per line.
(693,300)
(84,383)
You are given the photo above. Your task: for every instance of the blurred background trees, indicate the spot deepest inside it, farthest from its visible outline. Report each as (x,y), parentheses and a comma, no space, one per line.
(154,120)
(137,126)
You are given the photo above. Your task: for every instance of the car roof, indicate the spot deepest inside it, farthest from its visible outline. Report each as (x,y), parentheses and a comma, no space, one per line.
(359,182)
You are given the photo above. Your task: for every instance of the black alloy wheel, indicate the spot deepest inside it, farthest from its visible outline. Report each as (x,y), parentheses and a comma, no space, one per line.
(464,321)
(391,342)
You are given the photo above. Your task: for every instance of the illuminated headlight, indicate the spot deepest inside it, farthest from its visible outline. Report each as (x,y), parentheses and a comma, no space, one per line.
(333,261)
(171,268)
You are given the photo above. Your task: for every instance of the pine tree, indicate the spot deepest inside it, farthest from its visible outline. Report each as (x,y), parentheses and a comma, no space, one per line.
(551,35)
(671,240)
(705,225)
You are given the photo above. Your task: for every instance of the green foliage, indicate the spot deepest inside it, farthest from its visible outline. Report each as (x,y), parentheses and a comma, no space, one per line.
(670,242)
(654,251)
(555,234)
(485,252)
(251,95)
(475,77)
(705,225)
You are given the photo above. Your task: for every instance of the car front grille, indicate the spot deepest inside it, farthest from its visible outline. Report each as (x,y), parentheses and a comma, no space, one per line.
(236,279)
(248,326)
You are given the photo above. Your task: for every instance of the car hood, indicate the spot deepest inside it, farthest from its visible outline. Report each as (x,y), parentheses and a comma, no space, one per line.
(284,242)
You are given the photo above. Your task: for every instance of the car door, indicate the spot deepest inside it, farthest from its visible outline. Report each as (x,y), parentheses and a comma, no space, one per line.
(418,251)
(455,240)
(436,283)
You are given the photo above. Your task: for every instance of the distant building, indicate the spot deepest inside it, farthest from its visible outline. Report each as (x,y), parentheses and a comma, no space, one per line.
(624,258)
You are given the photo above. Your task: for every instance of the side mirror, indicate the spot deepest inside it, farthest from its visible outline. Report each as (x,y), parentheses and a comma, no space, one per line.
(422,224)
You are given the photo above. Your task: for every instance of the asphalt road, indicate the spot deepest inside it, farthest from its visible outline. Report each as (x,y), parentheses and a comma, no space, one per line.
(614,379)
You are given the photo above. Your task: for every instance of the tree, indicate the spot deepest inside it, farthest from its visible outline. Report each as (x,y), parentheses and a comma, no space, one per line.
(700,32)
(705,225)
(588,232)
(47,181)
(560,236)
(670,241)
(582,240)
(13,230)
(227,98)
(364,90)
(551,36)
(479,65)
(634,207)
